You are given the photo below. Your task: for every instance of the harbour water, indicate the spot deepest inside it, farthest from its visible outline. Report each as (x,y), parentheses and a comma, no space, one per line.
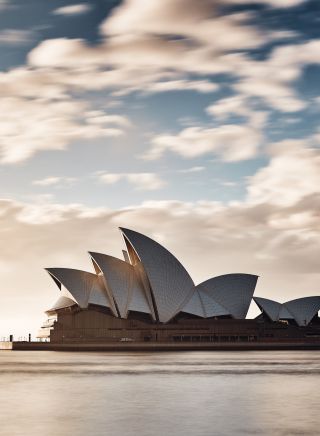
(153,394)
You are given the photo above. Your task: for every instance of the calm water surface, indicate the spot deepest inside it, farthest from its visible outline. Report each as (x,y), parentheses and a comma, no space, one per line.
(185,393)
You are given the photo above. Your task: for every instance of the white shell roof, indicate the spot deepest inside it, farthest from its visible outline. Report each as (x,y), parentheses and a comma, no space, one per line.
(302,310)
(122,283)
(232,294)
(270,307)
(170,283)
(84,287)
(61,303)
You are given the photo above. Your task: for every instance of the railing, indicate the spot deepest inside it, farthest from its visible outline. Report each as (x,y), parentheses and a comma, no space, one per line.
(28,338)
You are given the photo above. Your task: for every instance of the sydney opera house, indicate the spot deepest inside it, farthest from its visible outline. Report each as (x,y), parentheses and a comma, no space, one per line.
(150,297)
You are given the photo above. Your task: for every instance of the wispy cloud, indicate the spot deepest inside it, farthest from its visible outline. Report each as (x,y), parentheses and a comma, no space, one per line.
(54,181)
(228,142)
(138,52)
(16,36)
(5,4)
(192,170)
(29,126)
(141,181)
(77,9)
(292,173)
(272,3)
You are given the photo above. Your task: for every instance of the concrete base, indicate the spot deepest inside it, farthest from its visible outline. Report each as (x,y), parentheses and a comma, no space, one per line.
(161,346)
(6,345)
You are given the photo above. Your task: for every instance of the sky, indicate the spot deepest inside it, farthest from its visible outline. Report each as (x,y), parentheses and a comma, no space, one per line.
(195,123)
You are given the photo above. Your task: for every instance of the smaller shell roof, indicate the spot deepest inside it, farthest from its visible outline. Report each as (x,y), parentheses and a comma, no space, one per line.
(85,287)
(270,307)
(302,310)
(233,292)
(61,303)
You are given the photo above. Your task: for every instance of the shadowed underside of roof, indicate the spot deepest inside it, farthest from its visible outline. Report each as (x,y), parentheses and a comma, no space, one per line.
(61,303)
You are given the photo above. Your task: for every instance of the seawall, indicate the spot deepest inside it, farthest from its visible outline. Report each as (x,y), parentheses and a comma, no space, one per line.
(143,346)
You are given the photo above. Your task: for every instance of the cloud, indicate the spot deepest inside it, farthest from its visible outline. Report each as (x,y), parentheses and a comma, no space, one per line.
(4,5)
(29,126)
(272,3)
(273,79)
(230,142)
(100,118)
(202,86)
(139,52)
(238,105)
(138,38)
(150,47)
(200,23)
(141,181)
(273,92)
(28,83)
(192,170)
(235,105)
(51,181)
(292,174)
(15,36)
(78,9)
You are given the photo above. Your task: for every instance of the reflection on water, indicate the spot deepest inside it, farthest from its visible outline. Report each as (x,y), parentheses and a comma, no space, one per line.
(145,394)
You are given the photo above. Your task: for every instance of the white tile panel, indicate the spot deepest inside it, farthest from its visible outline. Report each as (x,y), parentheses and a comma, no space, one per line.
(194,305)
(284,313)
(211,307)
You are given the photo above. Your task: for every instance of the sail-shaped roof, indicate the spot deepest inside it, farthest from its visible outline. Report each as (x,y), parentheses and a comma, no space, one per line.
(122,284)
(302,310)
(85,287)
(270,307)
(170,283)
(231,292)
